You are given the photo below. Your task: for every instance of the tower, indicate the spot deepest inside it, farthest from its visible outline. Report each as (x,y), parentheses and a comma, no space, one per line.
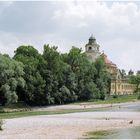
(92,49)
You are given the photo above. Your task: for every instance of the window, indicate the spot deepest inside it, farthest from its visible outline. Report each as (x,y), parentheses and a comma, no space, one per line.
(90,48)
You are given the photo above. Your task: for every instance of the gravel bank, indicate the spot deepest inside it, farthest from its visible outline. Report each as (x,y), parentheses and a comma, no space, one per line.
(64,126)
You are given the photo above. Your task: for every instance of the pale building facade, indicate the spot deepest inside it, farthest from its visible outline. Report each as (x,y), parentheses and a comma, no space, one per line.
(119,83)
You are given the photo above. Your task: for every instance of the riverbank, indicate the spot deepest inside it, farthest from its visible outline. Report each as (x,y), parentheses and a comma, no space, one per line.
(63,109)
(74,125)
(22,107)
(83,105)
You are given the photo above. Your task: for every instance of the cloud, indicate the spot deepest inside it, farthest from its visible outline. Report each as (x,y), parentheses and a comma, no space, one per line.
(7,39)
(67,23)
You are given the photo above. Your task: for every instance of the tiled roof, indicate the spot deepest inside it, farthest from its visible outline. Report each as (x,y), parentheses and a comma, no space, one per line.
(107,61)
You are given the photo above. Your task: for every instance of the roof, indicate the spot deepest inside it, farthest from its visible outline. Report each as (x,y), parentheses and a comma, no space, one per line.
(92,38)
(107,61)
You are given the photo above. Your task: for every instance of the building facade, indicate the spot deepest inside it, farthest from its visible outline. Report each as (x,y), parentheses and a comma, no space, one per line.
(120,84)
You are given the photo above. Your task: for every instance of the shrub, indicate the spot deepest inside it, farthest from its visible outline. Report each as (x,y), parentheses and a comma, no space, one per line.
(1,124)
(138,97)
(115,96)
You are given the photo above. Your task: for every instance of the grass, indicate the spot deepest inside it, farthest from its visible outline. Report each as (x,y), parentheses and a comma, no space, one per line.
(27,113)
(10,115)
(18,107)
(120,99)
(98,134)
(121,133)
(110,100)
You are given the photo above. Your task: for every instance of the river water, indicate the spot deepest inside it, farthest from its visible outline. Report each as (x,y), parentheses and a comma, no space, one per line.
(135,107)
(127,133)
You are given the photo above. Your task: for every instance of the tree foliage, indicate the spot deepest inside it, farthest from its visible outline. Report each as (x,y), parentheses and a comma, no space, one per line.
(33,92)
(51,77)
(11,76)
(135,79)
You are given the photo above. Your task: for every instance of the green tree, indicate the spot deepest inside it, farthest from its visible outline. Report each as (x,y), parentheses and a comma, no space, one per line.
(33,92)
(11,73)
(123,72)
(59,77)
(55,78)
(102,79)
(135,79)
(84,73)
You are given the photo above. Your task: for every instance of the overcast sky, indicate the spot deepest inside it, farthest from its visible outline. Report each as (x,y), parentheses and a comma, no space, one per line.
(115,25)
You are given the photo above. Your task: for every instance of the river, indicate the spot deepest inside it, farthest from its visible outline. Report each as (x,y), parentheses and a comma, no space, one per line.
(135,107)
(127,133)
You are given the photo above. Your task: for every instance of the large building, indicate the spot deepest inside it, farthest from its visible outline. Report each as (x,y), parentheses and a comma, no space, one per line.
(120,84)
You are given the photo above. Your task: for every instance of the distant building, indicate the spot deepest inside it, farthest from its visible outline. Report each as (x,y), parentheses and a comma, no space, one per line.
(92,49)
(120,84)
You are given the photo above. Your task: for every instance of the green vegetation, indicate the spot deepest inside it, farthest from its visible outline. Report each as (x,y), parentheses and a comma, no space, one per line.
(120,99)
(111,100)
(138,97)
(28,113)
(122,133)
(1,124)
(99,134)
(51,78)
(135,79)
(21,110)
(17,107)
(9,115)
(11,73)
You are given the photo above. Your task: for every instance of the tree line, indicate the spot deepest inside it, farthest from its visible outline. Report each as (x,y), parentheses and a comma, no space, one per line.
(51,77)
(135,79)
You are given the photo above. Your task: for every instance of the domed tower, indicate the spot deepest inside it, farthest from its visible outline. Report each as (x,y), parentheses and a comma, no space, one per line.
(92,49)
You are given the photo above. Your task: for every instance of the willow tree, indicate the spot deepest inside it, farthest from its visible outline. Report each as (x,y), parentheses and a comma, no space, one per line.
(11,73)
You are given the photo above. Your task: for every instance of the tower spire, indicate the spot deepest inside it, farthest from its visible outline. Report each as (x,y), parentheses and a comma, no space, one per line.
(92,39)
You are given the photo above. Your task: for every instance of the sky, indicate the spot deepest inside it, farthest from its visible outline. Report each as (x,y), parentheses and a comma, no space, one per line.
(115,25)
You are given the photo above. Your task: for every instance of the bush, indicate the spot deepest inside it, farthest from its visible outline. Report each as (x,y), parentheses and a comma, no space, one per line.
(115,96)
(1,124)
(138,97)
